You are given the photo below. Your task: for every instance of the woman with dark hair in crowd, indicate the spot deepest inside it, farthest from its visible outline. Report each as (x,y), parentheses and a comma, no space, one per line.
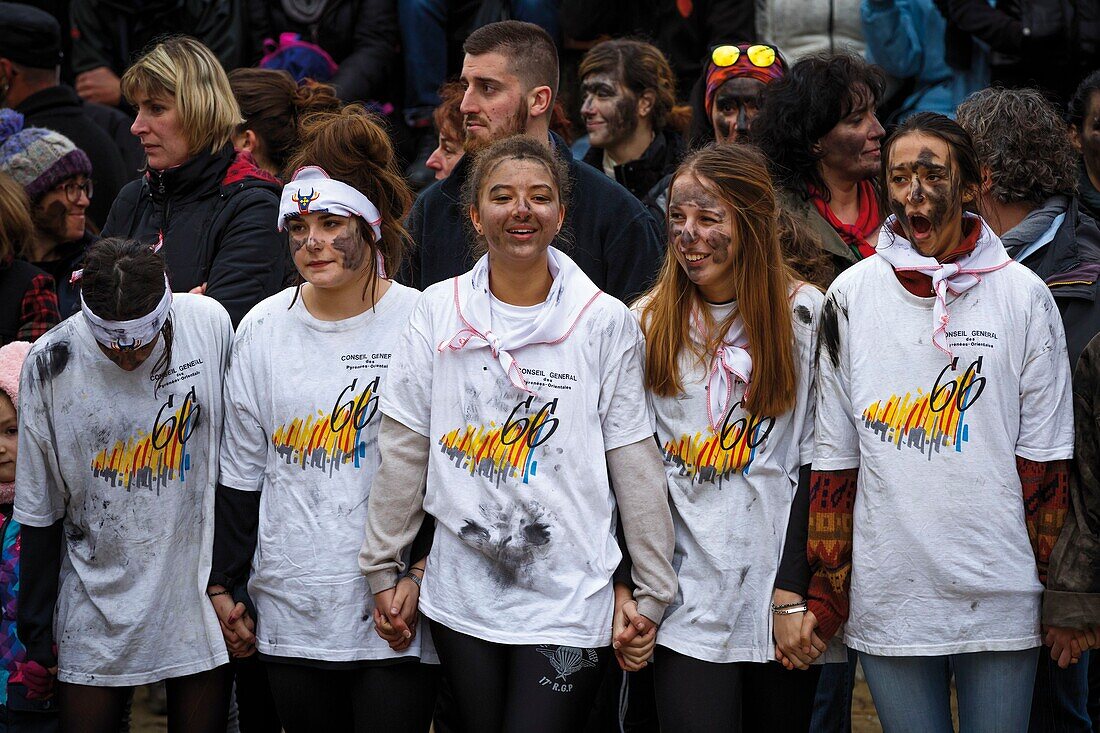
(944,401)
(817,126)
(28,303)
(727,96)
(517,394)
(57,178)
(208,207)
(121,409)
(730,336)
(273,106)
(300,447)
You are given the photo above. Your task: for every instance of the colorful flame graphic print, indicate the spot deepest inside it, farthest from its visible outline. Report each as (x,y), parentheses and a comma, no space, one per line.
(150,460)
(329,440)
(930,420)
(714,457)
(503,452)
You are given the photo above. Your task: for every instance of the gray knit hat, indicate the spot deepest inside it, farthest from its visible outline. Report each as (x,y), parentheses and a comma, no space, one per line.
(37,158)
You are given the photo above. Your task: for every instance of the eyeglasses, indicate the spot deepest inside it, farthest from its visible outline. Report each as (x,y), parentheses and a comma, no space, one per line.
(72,190)
(759,55)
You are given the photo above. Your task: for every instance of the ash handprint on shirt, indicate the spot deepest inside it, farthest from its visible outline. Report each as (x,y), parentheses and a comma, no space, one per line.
(150,459)
(512,536)
(933,419)
(328,441)
(710,457)
(506,451)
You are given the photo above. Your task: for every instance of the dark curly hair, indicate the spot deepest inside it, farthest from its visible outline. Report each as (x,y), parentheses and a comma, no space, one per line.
(1079,105)
(802,107)
(1022,140)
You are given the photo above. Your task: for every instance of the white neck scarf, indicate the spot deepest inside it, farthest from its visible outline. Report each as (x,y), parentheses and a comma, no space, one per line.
(731,363)
(957,277)
(571,293)
(132,334)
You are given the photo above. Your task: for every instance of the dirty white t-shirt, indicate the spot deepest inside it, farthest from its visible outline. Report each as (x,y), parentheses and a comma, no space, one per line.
(941,558)
(731,495)
(524,546)
(131,469)
(302,428)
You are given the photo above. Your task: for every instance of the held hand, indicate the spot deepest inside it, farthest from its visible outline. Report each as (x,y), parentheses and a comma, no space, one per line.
(237,626)
(385,606)
(198,290)
(38,680)
(406,597)
(1065,648)
(99,85)
(809,646)
(633,635)
(787,630)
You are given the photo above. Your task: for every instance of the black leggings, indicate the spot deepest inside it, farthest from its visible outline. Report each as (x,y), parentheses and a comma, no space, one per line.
(693,695)
(197,703)
(503,687)
(395,698)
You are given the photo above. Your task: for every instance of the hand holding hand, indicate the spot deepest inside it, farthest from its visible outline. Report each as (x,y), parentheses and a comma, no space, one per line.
(1065,646)
(404,604)
(237,625)
(797,643)
(38,680)
(634,636)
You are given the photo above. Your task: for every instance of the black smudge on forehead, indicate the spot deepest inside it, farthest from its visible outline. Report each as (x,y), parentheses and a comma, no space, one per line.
(687,191)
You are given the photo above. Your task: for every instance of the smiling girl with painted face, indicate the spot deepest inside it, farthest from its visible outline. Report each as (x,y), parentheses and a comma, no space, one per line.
(944,396)
(518,394)
(729,369)
(301,446)
(119,422)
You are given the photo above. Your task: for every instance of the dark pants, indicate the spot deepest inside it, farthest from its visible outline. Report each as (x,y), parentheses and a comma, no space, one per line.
(833,701)
(1060,701)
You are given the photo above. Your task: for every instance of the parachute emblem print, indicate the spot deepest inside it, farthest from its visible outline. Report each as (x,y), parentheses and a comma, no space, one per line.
(568,659)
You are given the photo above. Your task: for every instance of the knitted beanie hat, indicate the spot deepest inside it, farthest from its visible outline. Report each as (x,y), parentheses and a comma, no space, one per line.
(37,158)
(12,357)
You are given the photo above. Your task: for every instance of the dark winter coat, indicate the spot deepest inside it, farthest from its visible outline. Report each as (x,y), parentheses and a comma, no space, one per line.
(70,258)
(641,176)
(607,232)
(216,215)
(360,35)
(61,110)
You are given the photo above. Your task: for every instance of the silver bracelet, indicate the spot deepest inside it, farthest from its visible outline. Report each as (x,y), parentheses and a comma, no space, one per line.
(416,579)
(800,608)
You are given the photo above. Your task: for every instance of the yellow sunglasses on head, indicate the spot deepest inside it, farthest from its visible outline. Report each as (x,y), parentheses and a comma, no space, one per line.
(759,55)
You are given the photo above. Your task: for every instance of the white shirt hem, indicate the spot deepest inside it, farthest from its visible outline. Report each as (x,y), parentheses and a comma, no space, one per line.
(593,641)
(96,679)
(711,654)
(939,650)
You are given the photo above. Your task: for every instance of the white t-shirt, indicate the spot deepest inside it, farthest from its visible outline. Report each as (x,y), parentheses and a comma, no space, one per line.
(941,558)
(524,545)
(302,428)
(731,497)
(131,470)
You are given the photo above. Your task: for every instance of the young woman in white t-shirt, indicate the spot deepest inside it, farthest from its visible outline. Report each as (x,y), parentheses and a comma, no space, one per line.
(944,422)
(300,448)
(516,394)
(730,337)
(121,414)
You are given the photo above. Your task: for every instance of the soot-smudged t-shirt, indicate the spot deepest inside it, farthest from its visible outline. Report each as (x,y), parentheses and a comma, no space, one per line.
(731,494)
(302,428)
(130,467)
(524,546)
(941,562)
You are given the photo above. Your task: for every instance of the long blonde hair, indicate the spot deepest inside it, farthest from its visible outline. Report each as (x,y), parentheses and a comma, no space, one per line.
(738,175)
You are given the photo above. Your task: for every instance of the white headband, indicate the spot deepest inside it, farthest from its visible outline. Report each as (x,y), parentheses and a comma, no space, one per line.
(311,190)
(131,334)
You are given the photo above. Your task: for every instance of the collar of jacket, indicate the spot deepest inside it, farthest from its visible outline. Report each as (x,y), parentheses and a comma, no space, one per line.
(201,175)
(49,99)
(1070,263)
(1090,197)
(831,242)
(667,148)
(452,184)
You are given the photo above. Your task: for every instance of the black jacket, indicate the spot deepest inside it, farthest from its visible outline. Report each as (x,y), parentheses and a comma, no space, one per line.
(360,35)
(70,259)
(61,110)
(1070,266)
(614,239)
(641,176)
(217,214)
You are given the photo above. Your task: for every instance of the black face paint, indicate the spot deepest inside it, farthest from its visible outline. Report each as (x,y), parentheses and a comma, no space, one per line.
(719,244)
(942,197)
(296,243)
(51,220)
(352,246)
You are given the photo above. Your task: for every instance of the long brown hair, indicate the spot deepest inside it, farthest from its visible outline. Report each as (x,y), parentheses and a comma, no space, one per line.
(738,175)
(16,228)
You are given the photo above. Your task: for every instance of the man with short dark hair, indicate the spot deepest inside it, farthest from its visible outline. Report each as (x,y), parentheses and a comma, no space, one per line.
(30,52)
(510,74)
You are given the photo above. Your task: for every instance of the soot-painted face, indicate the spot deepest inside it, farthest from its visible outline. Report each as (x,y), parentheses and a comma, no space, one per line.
(700,229)
(735,104)
(850,151)
(925,193)
(518,211)
(329,250)
(610,110)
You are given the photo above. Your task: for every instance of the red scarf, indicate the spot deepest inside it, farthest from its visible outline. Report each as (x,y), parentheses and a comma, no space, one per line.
(854,235)
(920,284)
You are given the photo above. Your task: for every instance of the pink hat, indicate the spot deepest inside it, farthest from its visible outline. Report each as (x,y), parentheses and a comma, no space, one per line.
(12,357)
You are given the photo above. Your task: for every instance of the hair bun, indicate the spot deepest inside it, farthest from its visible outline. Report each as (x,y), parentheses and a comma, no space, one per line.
(11,122)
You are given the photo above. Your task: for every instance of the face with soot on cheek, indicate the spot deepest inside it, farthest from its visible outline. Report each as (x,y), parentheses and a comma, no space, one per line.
(518,211)
(700,228)
(925,193)
(735,105)
(329,250)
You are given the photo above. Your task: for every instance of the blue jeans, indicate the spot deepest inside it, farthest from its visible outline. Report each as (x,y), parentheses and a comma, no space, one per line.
(833,701)
(424,45)
(913,694)
(1060,704)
